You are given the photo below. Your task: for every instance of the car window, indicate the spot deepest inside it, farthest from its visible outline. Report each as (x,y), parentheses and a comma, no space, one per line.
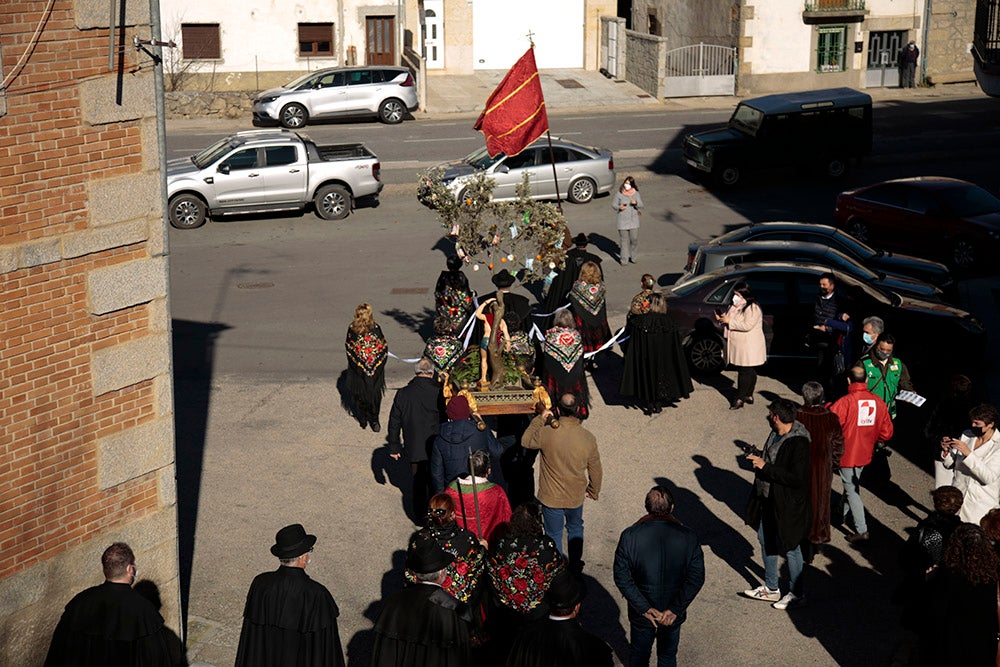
(967,201)
(525,158)
(918,201)
(890,194)
(244,159)
(279,155)
(380,75)
(331,80)
(806,288)
(734,259)
(577,155)
(359,77)
(769,291)
(560,154)
(721,293)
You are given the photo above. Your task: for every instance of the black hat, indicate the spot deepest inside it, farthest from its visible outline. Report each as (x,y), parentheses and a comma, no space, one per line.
(503,279)
(565,591)
(425,556)
(580,239)
(292,541)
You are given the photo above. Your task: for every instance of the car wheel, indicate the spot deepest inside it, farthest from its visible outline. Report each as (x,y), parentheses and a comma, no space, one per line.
(728,175)
(582,191)
(332,202)
(859,230)
(293,116)
(835,167)
(963,254)
(706,354)
(391,111)
(186,212)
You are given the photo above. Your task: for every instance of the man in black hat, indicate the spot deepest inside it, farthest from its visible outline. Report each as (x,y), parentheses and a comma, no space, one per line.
(512,303)
(564,279)
(423,625)
(112,624)
(289,619)
(559,641)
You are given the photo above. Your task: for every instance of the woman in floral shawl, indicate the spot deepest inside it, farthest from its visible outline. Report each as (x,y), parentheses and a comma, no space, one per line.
(443,348)
(453,298)
(562,362)
(465,572)
(590,311)
(366,355)
(521,565)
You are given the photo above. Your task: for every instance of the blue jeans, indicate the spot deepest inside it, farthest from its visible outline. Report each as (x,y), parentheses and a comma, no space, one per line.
(794,559)
(554,519)
(643,633)
(851,477)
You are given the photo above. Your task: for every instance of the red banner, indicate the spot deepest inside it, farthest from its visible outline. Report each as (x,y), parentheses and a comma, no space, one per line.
(515,112)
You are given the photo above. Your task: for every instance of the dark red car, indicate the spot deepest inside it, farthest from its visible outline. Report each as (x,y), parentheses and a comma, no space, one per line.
(938,218)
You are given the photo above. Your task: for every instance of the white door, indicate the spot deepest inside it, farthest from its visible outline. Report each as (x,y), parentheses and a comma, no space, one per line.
(433,30)
(500,33)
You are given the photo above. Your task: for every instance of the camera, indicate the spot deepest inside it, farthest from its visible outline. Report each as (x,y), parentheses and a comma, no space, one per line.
(749,448)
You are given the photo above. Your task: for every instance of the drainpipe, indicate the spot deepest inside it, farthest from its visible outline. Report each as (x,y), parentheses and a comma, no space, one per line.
(923,40)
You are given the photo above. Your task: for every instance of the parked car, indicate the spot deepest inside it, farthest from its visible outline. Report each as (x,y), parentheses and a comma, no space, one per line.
(817,128)
(583,171)
(713,257)
(933,338)
(262,171)
(386,92)
(944,218)
(935,273)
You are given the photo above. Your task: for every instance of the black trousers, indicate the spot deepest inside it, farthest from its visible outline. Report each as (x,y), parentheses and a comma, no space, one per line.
(746,382)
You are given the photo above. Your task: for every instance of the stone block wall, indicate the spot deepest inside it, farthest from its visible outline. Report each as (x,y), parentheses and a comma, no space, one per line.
(647,57)
(86,411)
(947,55)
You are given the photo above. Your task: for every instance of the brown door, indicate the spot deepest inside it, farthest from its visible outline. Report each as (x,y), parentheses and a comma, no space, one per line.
(380,40)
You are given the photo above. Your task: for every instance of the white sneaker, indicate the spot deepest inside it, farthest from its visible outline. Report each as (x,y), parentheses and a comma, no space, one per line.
(790,601)
(762,593)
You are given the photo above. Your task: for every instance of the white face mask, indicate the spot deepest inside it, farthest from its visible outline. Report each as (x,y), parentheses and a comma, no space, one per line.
(738,300)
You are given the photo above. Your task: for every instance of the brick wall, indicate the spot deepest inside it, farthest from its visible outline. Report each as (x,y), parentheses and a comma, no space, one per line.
(86,432)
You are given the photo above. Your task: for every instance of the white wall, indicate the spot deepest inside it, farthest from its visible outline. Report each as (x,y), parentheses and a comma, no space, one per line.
(781,41)
(500,29)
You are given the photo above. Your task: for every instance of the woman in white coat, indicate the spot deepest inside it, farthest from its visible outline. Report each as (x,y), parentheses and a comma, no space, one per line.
(975,460)
(745,345)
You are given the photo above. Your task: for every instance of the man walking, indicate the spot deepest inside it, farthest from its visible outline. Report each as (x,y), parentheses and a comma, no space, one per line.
(887,375)
(659,569)
(289,619)
(864,419)
(416,413)
(779,504)
(112,624)
(570,472)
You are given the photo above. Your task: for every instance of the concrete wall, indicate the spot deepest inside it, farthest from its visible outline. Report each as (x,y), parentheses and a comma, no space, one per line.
(947,52)
(646,55)
(690,22)
(86,410)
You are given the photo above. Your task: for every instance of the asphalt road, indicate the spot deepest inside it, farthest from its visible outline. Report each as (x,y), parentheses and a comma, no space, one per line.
(260,308)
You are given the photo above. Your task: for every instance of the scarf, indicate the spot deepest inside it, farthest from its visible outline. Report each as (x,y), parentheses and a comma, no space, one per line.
(587,296)
(564,345)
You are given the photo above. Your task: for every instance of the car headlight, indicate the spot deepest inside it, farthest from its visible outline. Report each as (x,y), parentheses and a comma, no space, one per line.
(268,100)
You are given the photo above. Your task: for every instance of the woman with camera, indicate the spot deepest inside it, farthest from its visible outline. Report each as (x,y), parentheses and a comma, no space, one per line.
(745,346)
(628,205)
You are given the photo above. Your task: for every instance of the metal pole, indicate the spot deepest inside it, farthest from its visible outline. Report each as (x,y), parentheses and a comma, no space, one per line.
(555,177)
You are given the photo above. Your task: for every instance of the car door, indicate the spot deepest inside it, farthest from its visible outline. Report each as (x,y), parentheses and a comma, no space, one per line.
(781,319)
(285,173)
(361,91)
(329,95)
(238,180)
(509,172)
(568,165)
(924,231)
(882,209)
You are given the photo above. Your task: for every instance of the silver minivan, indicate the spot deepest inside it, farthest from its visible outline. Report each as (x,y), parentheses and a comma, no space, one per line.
(386,92)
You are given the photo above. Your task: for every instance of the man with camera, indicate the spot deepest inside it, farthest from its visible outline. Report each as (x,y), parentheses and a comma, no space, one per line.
(570,472)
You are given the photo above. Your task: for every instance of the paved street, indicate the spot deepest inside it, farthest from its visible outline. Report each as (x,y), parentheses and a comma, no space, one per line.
(261,306)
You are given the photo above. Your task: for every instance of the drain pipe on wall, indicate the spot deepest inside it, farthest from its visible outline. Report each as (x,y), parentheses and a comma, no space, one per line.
(923,40)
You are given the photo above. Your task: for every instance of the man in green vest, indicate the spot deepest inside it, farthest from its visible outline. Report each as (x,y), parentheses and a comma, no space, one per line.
(887,375)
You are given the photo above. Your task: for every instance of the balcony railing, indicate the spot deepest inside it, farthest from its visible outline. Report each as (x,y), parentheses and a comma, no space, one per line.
(835,6)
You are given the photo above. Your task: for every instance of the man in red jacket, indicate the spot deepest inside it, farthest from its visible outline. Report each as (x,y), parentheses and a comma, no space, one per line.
(864,419)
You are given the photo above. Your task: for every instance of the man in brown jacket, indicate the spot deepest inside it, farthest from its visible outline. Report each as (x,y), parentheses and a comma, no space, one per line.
(570,472)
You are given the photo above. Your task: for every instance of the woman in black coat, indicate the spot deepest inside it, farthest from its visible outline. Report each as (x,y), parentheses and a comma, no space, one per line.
(655,371)
(367,352)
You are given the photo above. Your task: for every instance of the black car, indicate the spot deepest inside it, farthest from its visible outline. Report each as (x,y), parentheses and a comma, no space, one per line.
(935,273)
(931,337)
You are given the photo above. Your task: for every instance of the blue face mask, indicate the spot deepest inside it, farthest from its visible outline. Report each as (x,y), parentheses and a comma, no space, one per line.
(868,338)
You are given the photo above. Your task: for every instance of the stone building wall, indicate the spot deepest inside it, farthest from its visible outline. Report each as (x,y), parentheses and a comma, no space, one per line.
(86,410)
(948,54)
(646,56)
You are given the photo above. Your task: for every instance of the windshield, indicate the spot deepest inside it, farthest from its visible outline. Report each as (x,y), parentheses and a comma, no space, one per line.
(967,201)
(854,246)
(693,284)
(746,119)
(212,153)
(295,83)
(481,159)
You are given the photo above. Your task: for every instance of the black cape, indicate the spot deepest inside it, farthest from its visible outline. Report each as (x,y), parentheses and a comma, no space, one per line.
(421,626)
(113,626)
(549,643)
(289,621)
(563,282)
(655,369)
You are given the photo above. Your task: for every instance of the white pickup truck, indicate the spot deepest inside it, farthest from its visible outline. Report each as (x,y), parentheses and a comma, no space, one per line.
(261,171)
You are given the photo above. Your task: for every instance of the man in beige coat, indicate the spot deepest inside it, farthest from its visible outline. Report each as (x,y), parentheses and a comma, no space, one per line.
(746,348)
(570,472)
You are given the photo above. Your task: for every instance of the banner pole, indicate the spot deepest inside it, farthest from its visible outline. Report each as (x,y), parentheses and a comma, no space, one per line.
(555,177)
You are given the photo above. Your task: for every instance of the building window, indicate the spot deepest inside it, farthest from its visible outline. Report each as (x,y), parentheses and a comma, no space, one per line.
(315,39)
(831,49)
(200,41)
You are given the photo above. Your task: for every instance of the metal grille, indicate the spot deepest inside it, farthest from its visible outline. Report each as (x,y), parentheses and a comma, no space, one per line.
(986,38)
(831,49)
(834,5)
(701,60)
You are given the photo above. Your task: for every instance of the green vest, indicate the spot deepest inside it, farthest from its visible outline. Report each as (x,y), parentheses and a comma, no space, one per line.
(885,388)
